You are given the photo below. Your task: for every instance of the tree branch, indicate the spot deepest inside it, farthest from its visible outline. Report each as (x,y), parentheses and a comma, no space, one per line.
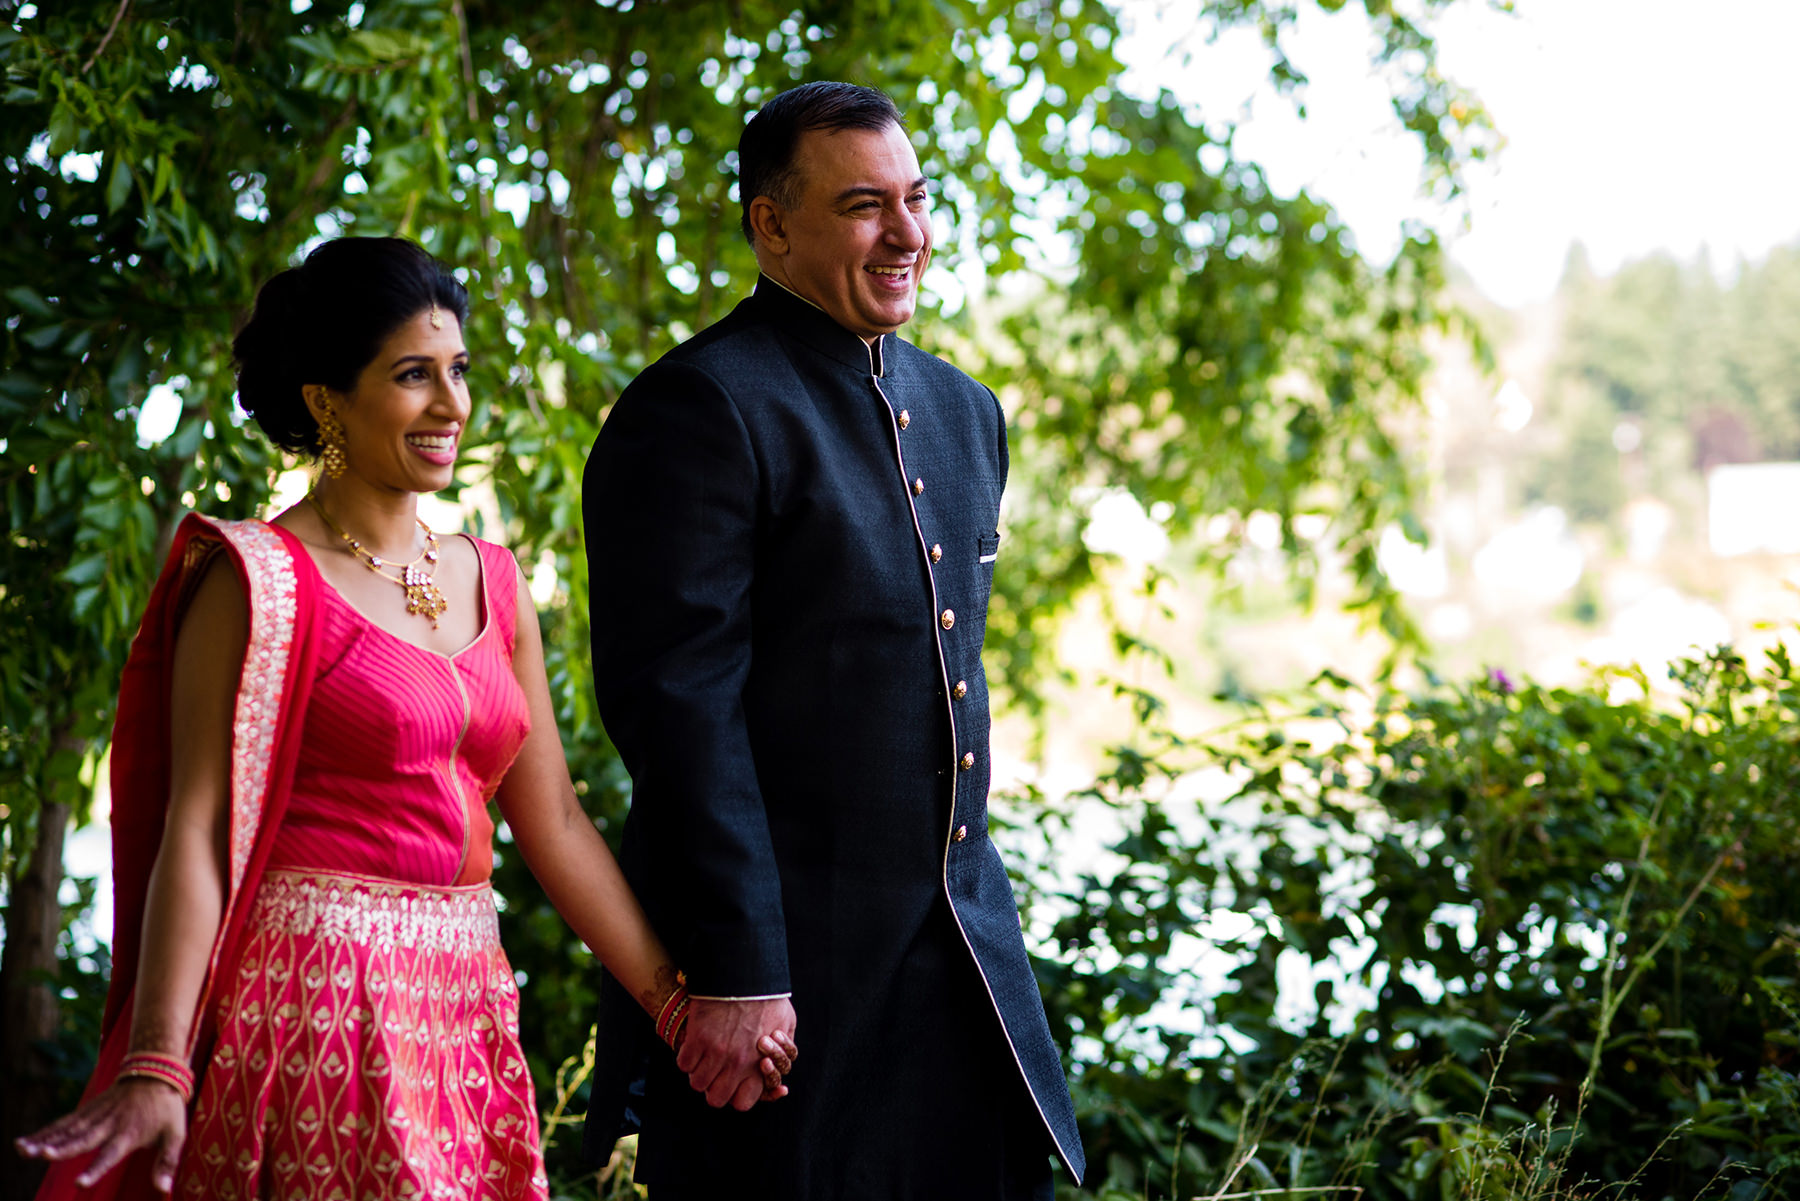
(110,30)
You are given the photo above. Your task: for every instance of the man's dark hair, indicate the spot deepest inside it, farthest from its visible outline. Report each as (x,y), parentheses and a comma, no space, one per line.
(766,149)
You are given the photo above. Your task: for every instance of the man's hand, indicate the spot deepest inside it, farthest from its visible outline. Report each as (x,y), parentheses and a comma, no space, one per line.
(722,1048)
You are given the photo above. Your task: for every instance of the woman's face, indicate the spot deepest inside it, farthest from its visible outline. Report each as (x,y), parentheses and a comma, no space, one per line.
(407,411)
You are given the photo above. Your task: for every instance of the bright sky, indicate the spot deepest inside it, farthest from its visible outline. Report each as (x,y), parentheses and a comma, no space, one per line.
(1632,126)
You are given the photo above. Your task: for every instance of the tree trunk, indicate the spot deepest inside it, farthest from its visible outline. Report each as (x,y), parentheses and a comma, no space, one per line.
(28,1003)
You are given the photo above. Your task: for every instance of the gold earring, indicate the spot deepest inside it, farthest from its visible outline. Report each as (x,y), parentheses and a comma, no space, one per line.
(331,443)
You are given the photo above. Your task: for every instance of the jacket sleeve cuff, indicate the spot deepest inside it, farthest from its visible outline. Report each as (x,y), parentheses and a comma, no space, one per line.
(735,959)
(774,996)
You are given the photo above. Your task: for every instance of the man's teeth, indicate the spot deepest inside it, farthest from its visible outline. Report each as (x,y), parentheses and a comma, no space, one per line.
(889,270)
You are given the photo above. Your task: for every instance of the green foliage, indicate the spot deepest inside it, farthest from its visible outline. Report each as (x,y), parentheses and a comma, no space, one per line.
(82,969)
(1200,340)
(1475,943)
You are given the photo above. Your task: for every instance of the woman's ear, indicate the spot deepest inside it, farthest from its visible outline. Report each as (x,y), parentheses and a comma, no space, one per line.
(318,398)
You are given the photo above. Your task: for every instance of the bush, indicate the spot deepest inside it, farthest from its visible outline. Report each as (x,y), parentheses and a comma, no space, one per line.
(1522,942)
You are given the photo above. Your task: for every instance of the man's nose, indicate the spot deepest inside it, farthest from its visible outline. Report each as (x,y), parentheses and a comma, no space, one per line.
(906,231)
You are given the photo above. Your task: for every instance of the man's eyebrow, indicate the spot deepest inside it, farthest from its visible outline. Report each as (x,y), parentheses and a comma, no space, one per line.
(869,190)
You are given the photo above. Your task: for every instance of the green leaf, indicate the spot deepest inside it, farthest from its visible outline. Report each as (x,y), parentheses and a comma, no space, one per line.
(85,600)
(65,128)
(383,45)
(185,443)
(118,184)
(44,337)
(1725,1133)
(26,298)
(85,571)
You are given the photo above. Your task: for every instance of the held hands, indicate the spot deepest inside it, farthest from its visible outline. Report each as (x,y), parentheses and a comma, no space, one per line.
(133,1113)
(736,1052)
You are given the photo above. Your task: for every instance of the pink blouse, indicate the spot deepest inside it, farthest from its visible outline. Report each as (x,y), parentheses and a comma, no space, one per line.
(403,747)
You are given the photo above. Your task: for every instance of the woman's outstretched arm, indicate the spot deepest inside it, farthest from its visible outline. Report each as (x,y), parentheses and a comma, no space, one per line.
(577,869)
(186,897)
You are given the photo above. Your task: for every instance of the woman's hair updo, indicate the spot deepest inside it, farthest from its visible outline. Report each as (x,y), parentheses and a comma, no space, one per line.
(325,320)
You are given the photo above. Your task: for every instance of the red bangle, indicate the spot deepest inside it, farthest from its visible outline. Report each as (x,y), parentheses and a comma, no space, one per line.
(674,1013)
(152,1065)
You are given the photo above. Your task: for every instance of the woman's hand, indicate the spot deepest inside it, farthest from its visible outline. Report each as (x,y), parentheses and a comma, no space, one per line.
(779,1053)
(132,1114)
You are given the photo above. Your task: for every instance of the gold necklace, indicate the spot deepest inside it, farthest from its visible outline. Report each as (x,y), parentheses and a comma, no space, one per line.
(422,595)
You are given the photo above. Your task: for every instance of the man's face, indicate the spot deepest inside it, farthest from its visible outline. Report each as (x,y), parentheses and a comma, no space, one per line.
(860,237)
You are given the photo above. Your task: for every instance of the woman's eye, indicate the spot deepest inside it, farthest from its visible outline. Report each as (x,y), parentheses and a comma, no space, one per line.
(459,369)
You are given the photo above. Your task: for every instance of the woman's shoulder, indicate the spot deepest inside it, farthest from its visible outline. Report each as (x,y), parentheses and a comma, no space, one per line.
(500,582)
(238,531)
(271,564)
(253,539)
(494,556)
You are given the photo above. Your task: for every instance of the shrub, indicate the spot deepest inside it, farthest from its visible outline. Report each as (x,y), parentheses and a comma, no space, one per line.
(1489,941)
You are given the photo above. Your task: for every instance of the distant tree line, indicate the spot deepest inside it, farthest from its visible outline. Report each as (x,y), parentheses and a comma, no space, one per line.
(1664,372)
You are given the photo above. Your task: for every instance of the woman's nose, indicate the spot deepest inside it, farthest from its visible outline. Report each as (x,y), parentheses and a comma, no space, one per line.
(452,399)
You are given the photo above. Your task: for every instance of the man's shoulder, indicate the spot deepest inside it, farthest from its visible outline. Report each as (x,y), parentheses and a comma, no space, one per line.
(739,335)
(907,361)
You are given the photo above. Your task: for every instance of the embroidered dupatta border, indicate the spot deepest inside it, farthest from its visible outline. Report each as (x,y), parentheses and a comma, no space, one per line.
(274,605)
(269,569)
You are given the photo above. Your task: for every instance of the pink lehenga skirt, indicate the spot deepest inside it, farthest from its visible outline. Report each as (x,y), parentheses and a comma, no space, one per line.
(368,1047)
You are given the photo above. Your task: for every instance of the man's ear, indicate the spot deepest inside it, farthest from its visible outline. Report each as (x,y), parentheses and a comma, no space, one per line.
(769,224)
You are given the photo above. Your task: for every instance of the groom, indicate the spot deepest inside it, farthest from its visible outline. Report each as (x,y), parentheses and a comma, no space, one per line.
(792,521)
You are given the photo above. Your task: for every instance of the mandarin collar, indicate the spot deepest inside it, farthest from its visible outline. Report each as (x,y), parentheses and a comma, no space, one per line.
(796,315)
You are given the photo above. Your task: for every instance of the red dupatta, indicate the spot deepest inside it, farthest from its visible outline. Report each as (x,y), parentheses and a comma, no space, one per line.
(279,667)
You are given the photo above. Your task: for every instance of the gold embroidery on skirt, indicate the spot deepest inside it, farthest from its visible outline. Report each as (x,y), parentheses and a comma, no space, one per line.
(378,914)
(368,1048)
